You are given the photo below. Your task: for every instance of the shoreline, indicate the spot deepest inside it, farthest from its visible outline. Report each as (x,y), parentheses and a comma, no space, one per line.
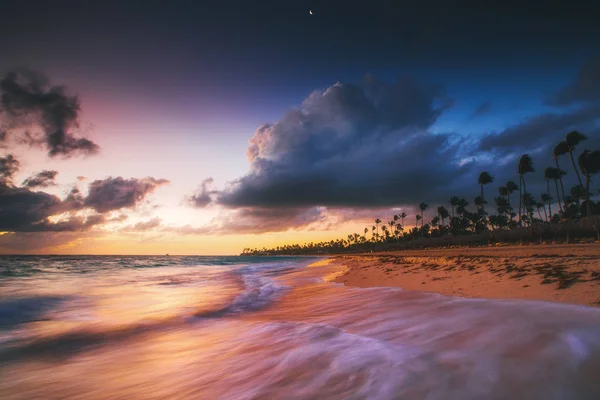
(558,273)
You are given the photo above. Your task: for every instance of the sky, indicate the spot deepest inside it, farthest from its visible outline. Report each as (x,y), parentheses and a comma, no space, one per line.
(204,127)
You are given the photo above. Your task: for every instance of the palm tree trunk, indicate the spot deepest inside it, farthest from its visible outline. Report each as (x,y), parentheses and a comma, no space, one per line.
(422,220)
(575,168)
(562,188)
(540,214)
(520,196)
(558,195)
(549,200)
(588,208)
(545,213)
(482,201)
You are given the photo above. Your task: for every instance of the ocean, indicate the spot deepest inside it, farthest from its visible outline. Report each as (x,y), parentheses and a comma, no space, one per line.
(129,327)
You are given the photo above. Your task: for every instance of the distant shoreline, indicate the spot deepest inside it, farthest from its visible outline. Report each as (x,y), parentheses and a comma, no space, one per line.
(567,273)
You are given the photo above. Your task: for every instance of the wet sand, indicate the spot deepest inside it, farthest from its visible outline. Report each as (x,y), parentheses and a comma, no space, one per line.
(558,273)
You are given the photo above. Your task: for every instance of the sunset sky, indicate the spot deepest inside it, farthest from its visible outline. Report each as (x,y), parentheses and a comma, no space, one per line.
(212,126)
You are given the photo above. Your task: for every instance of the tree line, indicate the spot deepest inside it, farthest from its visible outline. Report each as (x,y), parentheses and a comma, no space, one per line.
(521,212)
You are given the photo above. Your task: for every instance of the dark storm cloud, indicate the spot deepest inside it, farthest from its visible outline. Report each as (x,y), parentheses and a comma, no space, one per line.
(202,197)
(25,210)
(541,130)
(41,179)
(28,98)
(483,109)
(116,193)
(584,88)
(351,146)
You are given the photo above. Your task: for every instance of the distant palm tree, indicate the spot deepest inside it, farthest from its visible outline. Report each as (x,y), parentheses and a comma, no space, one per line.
(511,187)
(402,216)
(561,149)
(589,163)
(525,166)
(554,174)
(479,202)
(539,205)
(503,191)
(484,179)
(377,222)
(422,207)
(546,198)
(454,202)
(443,213)
(573,139)
(391,224)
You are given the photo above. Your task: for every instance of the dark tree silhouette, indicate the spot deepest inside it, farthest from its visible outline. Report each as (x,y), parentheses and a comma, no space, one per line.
(484,179)
(422,207)
(525,166)
(589,163)
(573,139)
(561,149)
(454,202)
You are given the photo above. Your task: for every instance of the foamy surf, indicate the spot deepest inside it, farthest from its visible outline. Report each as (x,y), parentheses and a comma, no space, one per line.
(269,328)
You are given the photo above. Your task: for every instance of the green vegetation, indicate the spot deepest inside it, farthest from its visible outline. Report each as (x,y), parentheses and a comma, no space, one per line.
(578,215)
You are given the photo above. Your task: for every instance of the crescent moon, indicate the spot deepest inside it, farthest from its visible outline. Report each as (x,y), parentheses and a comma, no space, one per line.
(310,12)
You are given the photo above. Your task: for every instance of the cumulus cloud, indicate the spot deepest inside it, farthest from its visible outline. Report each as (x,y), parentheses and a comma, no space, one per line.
(370,146)
(202,197)
(350,146)
(28,98)
(116,193)
(25,210)
(42,179)
(584,88)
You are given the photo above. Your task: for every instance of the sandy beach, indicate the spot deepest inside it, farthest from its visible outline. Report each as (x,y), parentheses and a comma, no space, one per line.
(558,273)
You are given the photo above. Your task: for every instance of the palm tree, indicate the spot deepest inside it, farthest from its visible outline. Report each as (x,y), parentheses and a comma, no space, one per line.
(573,139)
(479,203)
(454,202)
(511,187)
(422,207)
(484,179)
(546,198)
(503,191)
(561,149)
(589,163)
(539,205)
(443,213)
(402,216)
(555,175)
(377,222)
(525,166)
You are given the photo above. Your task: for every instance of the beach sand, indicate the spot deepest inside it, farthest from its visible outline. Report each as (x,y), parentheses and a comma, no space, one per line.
(559,273)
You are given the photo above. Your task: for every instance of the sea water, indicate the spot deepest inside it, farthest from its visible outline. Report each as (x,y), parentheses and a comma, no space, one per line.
(272,328)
